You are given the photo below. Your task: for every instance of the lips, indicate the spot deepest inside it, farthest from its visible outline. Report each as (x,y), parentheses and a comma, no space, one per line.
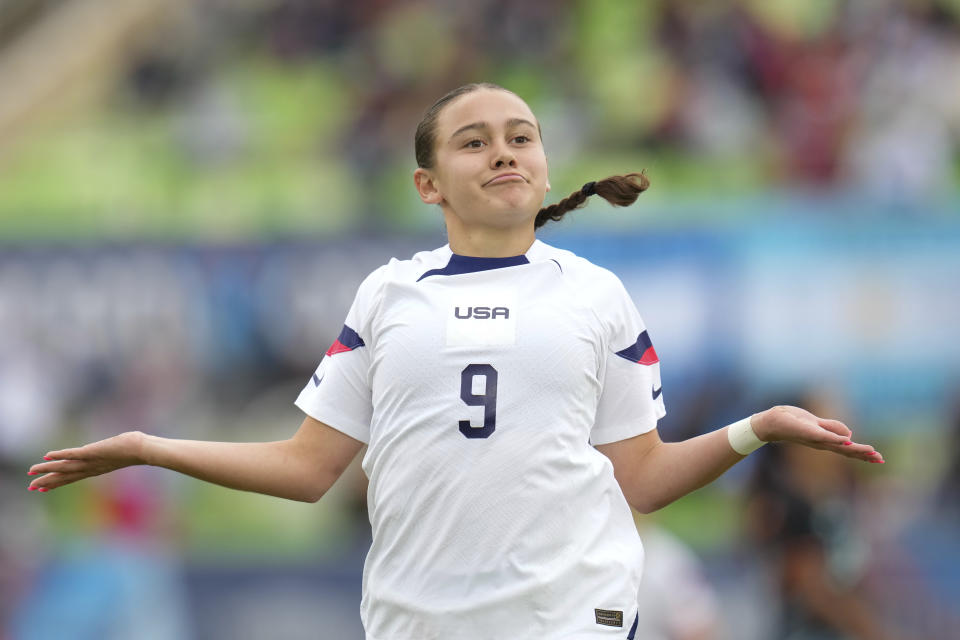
(503,178)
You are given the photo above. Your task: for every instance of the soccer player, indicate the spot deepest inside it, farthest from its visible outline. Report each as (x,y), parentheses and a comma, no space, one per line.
(508,393)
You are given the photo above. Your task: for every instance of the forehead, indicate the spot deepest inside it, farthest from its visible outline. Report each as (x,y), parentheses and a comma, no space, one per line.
(483,105)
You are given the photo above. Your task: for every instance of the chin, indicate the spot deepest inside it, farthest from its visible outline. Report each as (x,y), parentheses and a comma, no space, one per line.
(512,218)
(516,204)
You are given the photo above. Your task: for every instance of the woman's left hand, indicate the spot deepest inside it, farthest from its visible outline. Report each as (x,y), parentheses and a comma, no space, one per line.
(793,424)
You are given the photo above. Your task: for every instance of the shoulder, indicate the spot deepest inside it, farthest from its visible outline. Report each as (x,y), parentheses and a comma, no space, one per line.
(596,282)
(372,290)
(402,270)
(601,290)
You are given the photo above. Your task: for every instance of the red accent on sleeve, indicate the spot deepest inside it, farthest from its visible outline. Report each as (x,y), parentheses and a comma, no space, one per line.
(649,357)
(337,347)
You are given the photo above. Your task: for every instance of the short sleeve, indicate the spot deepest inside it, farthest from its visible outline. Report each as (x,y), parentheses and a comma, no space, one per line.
(631,400)
(338,393)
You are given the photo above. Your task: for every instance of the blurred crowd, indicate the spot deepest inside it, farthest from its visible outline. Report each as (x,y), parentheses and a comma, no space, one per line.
(206,204)
(859,94)
(289,115)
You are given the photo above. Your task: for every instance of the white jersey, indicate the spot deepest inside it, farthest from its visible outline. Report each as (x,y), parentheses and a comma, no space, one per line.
(480,386)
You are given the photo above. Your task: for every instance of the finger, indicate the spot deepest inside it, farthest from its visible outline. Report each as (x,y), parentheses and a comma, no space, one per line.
(857,448)
(852,449)
(54,480)
(863,452)
(872,456)
(827,438)
(57,466)
(835,426)
(76,453)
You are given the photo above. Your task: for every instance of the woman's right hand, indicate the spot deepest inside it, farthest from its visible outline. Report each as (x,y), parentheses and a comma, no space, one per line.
(69,465)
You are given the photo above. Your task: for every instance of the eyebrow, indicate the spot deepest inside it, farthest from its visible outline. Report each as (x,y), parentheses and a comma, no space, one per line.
(512,122)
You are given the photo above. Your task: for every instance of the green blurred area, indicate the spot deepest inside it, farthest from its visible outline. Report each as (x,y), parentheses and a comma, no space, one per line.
(255,142)
(122,172)
(117,174)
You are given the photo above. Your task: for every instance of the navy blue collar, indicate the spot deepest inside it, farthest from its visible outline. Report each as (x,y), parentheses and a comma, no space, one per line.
(469,264)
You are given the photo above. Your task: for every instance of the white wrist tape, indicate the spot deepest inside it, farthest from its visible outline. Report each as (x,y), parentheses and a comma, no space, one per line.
(743,438)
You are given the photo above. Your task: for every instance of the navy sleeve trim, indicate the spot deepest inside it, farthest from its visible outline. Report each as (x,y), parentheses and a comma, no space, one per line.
(641,352)
(348,341)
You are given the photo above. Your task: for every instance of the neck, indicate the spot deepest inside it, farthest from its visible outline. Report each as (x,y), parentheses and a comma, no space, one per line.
(488,242)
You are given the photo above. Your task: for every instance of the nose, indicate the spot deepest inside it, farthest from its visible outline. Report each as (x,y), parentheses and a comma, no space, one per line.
(503,157)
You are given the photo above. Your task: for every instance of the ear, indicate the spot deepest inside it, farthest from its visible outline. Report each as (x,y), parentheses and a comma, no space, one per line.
(426,186)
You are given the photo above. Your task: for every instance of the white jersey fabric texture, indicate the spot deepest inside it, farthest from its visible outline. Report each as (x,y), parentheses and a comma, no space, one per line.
(480,386)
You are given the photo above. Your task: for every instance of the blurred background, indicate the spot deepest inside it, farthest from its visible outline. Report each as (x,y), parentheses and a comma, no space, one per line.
(191,191)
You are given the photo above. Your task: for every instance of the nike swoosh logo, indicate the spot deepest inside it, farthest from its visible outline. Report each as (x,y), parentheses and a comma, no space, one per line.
(316,380)
(657,392)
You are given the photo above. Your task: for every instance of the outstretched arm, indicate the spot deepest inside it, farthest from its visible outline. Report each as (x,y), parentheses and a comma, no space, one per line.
(301,468)
(653,473)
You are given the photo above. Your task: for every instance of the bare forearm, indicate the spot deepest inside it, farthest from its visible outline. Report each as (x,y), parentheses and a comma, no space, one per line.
(272,468)
(652,474)
(671,470)
(301,468)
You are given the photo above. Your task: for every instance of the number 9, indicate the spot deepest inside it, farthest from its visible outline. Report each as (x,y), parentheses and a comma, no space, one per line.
(487,400)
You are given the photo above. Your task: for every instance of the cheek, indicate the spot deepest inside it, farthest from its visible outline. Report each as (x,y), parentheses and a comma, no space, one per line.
(540,176)
(462,168)
(538,164)
(450,179)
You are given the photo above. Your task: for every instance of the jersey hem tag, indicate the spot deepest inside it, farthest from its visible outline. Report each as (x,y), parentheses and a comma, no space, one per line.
(609,618)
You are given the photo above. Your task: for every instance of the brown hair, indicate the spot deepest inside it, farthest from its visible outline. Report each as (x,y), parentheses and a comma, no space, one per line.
(617,190)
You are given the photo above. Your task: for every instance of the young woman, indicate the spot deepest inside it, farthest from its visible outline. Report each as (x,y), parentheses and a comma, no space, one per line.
(508,393)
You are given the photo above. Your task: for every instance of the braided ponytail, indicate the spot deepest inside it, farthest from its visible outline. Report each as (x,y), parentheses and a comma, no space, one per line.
(619,191)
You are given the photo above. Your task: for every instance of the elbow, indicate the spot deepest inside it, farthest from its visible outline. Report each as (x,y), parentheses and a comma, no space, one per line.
(648,507)
(310,495)
(315,489)
(300,495)
(643,508)
(640,497)
(647,504)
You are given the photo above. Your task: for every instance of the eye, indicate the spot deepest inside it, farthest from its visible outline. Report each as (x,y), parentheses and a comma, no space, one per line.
(476,143)
(521,139)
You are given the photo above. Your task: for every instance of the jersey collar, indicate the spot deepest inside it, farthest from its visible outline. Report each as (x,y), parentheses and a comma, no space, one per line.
(459,264)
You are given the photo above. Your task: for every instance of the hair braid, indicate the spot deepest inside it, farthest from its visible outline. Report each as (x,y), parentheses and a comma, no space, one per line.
(556,211)
(619,191)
